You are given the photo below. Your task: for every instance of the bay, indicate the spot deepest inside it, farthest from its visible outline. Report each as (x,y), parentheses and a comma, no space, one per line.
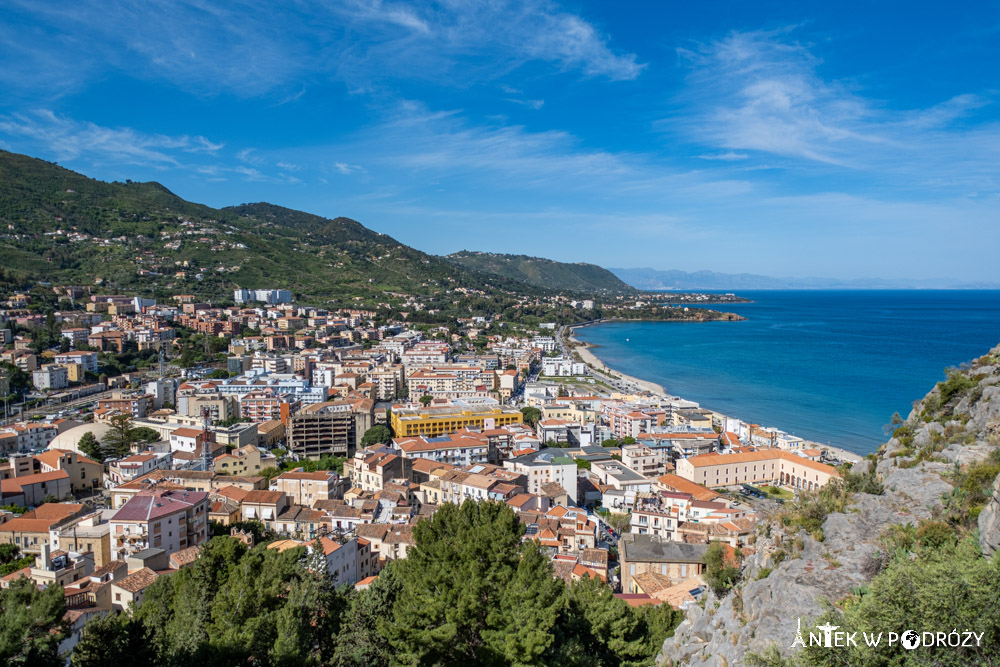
(829,366)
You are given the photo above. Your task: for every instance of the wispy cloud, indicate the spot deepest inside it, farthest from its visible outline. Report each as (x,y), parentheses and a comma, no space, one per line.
(252,47)
(69,139)
(763,92)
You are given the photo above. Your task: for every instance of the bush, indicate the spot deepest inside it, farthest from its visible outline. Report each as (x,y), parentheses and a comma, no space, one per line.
(722,572)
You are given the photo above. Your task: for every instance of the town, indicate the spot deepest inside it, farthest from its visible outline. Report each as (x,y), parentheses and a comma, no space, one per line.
(307,427)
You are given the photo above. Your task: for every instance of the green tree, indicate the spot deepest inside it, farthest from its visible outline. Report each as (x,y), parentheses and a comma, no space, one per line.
(31,624)
(472,592)
(628,440)
(940,587)
(118,441)
(113,639)
(363,642)
(219,374)
(531,415)
(426,400)
(90,446)
(610,442)
(143,433)
(377,434)
(722,572)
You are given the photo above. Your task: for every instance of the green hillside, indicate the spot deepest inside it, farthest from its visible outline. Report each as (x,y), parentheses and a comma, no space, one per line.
(63,227)
(543,273)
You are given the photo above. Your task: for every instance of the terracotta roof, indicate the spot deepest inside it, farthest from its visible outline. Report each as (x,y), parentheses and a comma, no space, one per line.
(137,581)
(262,497)
(16,484)
(682,485)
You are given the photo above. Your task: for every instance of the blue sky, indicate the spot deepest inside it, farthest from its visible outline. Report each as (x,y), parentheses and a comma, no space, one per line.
(810,138)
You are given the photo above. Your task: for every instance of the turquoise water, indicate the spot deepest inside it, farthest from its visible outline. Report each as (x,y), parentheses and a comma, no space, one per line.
(830,366)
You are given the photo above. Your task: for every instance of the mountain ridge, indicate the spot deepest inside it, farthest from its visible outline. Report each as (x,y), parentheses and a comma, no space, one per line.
(574,276)
(62,226)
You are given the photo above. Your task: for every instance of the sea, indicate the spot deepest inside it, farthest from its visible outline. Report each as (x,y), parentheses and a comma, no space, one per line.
(828,366)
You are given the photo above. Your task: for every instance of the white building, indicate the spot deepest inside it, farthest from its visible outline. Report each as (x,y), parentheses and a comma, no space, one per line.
(562,367)
(50,376)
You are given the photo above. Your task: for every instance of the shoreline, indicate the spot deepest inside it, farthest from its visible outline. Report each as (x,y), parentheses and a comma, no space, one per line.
(584,350)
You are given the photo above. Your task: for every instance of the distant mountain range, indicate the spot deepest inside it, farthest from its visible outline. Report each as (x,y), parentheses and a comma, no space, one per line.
(653,279)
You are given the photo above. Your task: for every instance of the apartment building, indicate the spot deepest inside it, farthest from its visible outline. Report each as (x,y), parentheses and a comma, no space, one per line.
(50,377)
(157,519)
(307,488)
(447,416)
(544,467)
(333,427)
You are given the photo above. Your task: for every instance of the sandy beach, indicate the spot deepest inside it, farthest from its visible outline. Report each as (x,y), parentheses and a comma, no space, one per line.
(590,359)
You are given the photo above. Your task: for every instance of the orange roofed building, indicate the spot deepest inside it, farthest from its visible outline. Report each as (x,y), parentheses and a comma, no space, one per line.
(771,466)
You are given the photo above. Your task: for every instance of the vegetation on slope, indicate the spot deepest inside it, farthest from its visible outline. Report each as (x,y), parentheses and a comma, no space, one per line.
(63,227)
(544,273)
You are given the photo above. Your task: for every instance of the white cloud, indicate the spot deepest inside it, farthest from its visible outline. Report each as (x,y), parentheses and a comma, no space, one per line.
(69,139)
(728,156)
(762,92)
(254,47)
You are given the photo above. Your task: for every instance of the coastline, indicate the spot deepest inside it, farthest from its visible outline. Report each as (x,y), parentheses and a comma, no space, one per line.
(588,357)
(584,350)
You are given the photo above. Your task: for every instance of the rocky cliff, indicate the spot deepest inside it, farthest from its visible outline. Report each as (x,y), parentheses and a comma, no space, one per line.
(794,573)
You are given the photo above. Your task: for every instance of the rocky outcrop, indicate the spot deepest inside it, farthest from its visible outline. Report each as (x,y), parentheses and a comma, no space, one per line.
(913,467)
(989,522)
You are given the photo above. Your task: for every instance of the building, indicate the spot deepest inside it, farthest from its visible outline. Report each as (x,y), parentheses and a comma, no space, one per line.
(87,533)
(268,296)
(50,377)
(30,531)
(168,520)
(32,490)
(646,553)
(443,417)
(643,460)
(87,359)
(767,466)
(135,466)
(306,488)
(334,427)
(247,460)
(127,593)
(545,467)
(84,474)
(455,449)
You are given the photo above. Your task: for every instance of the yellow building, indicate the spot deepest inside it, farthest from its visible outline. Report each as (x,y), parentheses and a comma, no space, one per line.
(243,461)
(442,418)
(75,372)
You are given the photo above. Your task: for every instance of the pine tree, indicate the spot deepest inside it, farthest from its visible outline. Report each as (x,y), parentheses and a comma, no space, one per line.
(90,446)
(31,624)
(472,593)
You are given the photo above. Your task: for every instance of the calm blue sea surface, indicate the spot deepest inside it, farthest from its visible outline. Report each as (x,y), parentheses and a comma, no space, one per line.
(830,366)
